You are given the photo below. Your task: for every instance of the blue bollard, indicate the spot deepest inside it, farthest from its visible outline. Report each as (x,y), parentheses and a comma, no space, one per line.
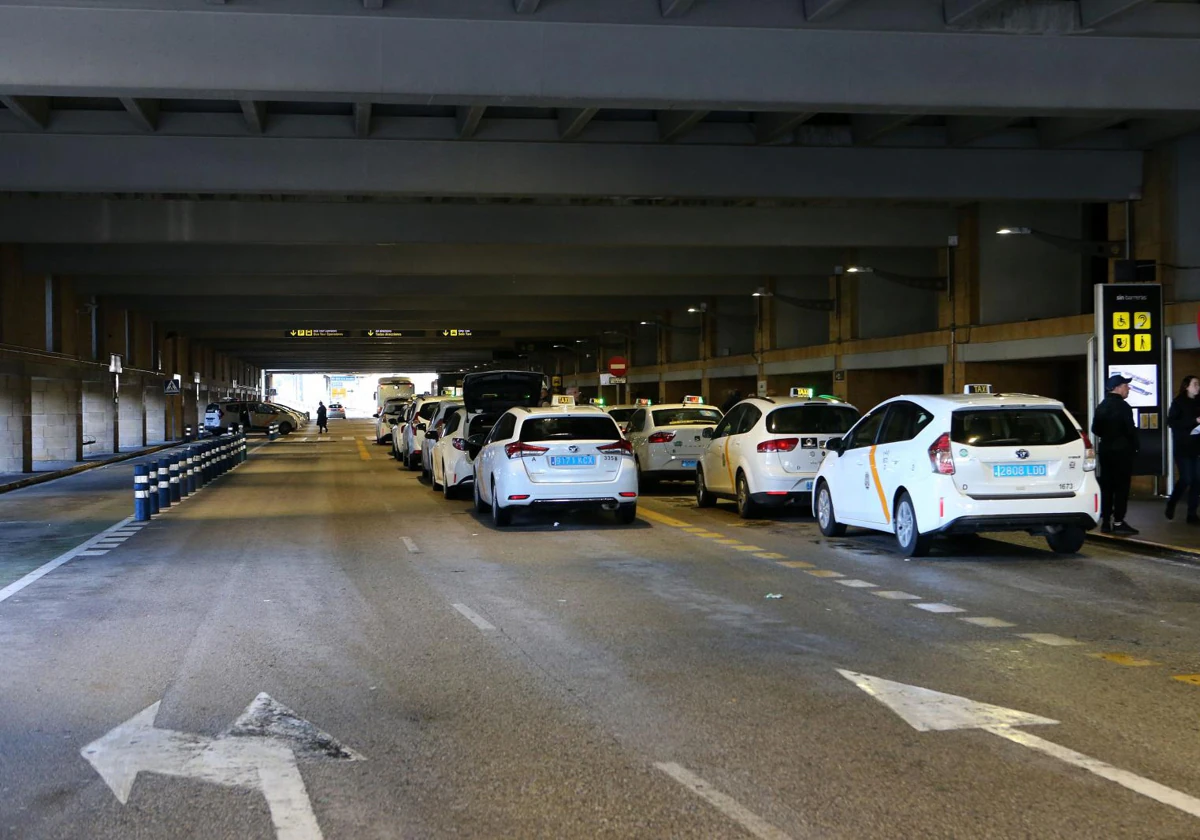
(191,470)
(223,458)
(206,463)
(176,490)
(242,448)
(164,483)
(141,504)
(152,486)
(272,432)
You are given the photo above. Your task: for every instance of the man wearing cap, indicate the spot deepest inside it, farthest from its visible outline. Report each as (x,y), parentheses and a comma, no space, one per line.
(1117,446)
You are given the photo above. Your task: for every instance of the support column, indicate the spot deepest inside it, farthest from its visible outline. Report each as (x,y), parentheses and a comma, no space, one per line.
(764,328)
(843,323)
(80,412)
(26,405)
(958,309)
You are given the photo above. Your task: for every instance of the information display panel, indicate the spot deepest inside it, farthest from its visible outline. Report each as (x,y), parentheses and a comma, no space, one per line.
(1130,339)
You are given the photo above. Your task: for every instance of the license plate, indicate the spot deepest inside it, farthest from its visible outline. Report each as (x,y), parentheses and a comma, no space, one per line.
(689,465)
(1018,470)
(572,460)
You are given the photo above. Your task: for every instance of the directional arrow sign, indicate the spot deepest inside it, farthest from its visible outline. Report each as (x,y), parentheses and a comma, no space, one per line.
(932,711)
(258,752)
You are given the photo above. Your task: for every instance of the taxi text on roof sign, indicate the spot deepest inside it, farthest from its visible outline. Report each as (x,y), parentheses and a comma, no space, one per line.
(316,333)
(807,393)
(693,399)
(564,399)
(977,389)
(642,401)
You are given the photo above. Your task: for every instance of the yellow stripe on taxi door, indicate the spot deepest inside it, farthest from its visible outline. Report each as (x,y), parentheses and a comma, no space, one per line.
(887,518)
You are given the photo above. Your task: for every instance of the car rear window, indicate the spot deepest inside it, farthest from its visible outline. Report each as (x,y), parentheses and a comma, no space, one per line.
(1012,427)
(570,428)
(480,424)
(811,419)
(212,407)
(427,410)
(685,416)
(621,414)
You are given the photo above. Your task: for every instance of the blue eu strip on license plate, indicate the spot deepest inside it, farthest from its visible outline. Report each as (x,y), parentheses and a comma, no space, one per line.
(689,465)
(1018,470)
(573,460)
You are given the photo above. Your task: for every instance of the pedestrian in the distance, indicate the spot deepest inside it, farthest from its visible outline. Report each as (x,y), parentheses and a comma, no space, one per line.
(1183,418)
(1117,446)
(322,418)
(545,400)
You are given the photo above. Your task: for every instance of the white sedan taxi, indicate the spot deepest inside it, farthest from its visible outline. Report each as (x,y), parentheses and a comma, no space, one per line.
(485,397)
(668,439)
(559,456)
(765,452)
(918,466)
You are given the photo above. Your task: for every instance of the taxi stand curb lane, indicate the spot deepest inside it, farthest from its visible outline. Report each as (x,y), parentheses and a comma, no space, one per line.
(1178,553)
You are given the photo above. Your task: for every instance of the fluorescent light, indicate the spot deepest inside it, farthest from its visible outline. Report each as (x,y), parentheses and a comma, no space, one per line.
(1013,231)
(860,269)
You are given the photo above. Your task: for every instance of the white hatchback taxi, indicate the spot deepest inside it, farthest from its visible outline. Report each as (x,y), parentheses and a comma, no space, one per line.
(559,456)
(668,439)
(765,452)
(918,466)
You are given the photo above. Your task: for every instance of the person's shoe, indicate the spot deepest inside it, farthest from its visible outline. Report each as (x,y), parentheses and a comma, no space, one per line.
(1170,508)
(1124,529)
(1106,526)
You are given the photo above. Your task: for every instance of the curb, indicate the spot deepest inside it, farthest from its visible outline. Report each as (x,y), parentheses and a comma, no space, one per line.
(84,467)
(1174,552)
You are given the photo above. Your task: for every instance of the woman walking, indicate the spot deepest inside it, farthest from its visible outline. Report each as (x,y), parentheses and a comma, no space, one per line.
(1183,417)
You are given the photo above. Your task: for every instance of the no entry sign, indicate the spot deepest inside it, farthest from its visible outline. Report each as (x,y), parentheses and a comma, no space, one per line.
(617,365)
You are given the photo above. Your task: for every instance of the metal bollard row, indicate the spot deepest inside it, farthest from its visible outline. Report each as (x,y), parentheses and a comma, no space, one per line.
(163,482)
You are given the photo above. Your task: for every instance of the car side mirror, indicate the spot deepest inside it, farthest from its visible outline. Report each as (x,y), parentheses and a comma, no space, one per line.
(706,433)
(432,435)
(835,445)
(421,427)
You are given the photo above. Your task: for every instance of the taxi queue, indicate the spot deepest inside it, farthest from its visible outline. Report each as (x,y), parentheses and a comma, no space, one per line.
(915,466)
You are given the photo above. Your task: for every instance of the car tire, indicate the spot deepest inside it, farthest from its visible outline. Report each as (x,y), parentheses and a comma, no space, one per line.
(480,507)
(414,462)
(746,507)
(449,491)
(703,497)
(433,482)
(501,516)
(285,428)
(1067,540)
(908,533)
(826,518)
(627,514)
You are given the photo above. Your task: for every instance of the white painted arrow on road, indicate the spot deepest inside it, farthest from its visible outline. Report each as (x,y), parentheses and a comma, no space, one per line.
(933,711)
(258,752)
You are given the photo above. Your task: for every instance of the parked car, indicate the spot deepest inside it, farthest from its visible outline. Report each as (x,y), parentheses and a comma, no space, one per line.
(433,431)
(412,433)
(560,456)
(389,416)
(485,397)
(668,439)
(918,466)
(261,414)
(335,411)
(765,452)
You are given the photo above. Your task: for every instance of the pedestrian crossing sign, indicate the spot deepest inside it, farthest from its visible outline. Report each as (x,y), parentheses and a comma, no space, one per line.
(171,387)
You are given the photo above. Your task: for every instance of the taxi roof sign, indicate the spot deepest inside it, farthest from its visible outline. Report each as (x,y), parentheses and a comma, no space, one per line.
(693,399)
(977,389)
(807,393)
(564,399)
(597,401)
(642,401)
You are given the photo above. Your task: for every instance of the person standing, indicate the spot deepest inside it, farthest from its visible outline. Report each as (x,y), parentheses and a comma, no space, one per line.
(1183,418)
(545,399)
(1117,446)
(322,418)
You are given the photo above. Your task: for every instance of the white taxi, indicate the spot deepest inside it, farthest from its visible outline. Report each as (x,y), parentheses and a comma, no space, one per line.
(621,413)
(434,428)
(411,433)
(765,452)
(668,439)
(485,397)
(918,466)
(558,456)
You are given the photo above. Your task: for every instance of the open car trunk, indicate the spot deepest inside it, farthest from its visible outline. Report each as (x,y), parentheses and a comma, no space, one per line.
(496,391)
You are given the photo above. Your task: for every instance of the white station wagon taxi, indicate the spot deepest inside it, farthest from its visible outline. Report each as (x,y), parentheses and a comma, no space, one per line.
(918,466)
(668,439)
(765,452)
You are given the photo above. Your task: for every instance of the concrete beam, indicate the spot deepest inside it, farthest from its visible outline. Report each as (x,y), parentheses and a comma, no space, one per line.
(332,306)
(122,221)
(674,124)
(467,119)
(33,111)
(133,164)
(870,128)
(572,121)
(143,112)
(362,119)
(1059,131)
(819,10)
(962,11)
(462,61)
(1098,12)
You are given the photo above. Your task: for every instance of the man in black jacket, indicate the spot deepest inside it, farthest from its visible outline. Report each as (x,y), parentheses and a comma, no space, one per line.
(1118,444)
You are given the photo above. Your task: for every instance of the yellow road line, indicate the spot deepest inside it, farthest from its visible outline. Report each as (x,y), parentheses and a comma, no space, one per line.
(710,535)
(1190,679)
(825,573)
(727,541)
(794,564)
(362,451)
(771,555)
(1124,659)
(748,548)
(655,516)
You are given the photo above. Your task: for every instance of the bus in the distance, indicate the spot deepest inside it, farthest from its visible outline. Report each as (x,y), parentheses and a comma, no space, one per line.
(392,386)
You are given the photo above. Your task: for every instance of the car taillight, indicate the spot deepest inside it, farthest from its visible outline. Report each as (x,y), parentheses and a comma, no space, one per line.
(460,444)
(622,446)
(779,445)
(1089,453)
(661,437)
(520,449)
(940,456)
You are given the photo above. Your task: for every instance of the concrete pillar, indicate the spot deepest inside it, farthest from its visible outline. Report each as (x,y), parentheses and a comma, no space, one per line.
(25,396)
(98,413)
(842,322)
(55,405)
(154,412)
(12,425)
(131,423)
(22,303)
(959,307)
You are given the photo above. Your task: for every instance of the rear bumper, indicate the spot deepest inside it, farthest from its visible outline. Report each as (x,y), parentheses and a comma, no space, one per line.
(1034,523)
(606,503)
(783,499)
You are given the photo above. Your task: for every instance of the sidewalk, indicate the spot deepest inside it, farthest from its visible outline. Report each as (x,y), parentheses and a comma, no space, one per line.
(50,470)
(1157,532)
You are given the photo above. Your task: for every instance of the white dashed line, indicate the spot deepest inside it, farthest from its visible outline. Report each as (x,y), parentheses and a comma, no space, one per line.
(895,595)
(96,553)
(46,568)
(1048,639)
(474,617)
(856,584)
(987,621)
(727,805)
(410,545)
(938,608)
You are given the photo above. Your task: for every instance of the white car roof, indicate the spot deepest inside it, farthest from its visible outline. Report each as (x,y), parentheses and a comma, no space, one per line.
(951,402)
(782,401)
(562,410)
(657,406)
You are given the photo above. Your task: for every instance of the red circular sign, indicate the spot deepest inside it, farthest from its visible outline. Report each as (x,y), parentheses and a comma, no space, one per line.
(617,365)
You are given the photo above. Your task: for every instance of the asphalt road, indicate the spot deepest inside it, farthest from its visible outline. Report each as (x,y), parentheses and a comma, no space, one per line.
(576,678)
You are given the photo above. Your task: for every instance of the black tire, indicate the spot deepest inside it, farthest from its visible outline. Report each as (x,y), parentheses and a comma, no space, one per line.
(826,517)
(703,497)
(448,491)
(433,482)
(908,532)
(1067,540)
(501,516)
(746,507)
(285,428)
(626,514)
(480,507)
(414,462)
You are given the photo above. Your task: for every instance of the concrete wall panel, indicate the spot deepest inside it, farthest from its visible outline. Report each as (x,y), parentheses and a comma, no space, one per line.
(97,418)
(10,424)
(56,417)
(1022,278)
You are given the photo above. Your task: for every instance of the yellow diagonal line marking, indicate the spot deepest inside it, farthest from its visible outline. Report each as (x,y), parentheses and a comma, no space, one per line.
(1124,659)
(795,564)
(825,573)
(655,516)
